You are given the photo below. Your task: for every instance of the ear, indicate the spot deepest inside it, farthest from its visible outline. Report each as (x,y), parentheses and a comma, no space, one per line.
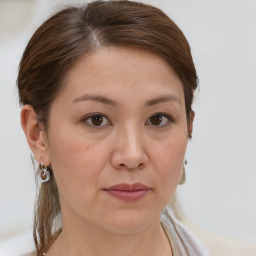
(35,134)
(191,121)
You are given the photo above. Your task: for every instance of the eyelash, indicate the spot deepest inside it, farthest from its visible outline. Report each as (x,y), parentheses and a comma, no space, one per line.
(87,118)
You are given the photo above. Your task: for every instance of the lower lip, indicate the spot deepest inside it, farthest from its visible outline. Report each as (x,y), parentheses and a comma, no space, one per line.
(128,196)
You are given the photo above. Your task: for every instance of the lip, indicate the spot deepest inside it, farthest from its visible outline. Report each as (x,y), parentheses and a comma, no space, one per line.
(128,192)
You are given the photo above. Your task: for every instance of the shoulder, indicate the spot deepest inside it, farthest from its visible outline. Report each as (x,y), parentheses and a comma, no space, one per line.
(215,244)
(219,245)
(184,241)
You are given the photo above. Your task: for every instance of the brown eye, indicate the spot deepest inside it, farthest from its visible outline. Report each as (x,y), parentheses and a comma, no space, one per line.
(156,119)
(96,120)
(159,119)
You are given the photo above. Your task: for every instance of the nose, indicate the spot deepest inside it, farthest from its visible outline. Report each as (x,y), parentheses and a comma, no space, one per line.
(129,150)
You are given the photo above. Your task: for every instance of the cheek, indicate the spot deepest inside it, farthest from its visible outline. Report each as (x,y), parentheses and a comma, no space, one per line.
(168,160)
(76,162)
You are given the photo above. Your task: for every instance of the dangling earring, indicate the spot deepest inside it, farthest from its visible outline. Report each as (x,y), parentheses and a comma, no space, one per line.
(183,177)
(45,174)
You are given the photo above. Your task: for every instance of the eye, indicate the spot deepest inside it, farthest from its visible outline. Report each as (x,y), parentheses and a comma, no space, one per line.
(159,119)
(96,120)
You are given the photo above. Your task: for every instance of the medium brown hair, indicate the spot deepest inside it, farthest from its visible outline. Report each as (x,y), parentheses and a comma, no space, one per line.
(60,42)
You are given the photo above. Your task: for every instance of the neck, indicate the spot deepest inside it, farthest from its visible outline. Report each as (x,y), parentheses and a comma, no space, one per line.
(85,239)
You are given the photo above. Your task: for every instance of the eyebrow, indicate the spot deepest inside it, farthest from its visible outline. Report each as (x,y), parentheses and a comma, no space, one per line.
(163,98)
(107,101)
(97,98)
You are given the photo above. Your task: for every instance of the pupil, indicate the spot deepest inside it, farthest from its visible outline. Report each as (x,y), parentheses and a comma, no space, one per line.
(156,120)
(97,120)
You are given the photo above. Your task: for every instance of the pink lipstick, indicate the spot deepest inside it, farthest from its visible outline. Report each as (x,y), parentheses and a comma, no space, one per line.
(127,192)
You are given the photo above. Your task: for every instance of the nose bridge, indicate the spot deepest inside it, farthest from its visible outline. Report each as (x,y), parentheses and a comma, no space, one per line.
(131,141)
(132,136)
(130,147)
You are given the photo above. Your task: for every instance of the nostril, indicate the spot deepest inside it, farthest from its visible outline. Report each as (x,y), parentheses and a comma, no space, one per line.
(132,167)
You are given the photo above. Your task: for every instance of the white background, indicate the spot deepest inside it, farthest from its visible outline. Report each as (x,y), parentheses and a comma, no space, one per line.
(220,192)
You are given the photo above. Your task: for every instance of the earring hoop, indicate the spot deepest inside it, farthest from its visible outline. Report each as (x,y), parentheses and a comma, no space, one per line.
(45,174)
(183,177)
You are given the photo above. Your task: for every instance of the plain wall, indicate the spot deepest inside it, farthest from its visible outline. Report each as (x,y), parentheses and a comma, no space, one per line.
(220,192)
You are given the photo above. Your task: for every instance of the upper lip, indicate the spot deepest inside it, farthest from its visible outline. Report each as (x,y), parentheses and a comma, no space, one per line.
(128,187)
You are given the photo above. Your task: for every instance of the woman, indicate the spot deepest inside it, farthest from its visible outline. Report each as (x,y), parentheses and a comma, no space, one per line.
(107,90)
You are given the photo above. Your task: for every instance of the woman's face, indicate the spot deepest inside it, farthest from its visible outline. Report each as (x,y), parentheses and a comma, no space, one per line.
(119,120)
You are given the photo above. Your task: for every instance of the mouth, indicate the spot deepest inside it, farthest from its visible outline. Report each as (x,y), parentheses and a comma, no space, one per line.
(128,192)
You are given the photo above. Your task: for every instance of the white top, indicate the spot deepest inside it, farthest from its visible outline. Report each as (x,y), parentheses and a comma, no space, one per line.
(183,242)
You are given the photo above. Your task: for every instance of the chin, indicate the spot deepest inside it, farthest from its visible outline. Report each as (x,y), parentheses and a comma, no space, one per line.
(128,223)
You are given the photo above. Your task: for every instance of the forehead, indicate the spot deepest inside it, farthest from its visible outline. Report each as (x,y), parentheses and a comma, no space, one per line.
(111,70)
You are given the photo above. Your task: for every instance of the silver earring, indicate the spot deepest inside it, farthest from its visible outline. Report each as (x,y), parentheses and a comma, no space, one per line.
(45,174)
(183,177)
